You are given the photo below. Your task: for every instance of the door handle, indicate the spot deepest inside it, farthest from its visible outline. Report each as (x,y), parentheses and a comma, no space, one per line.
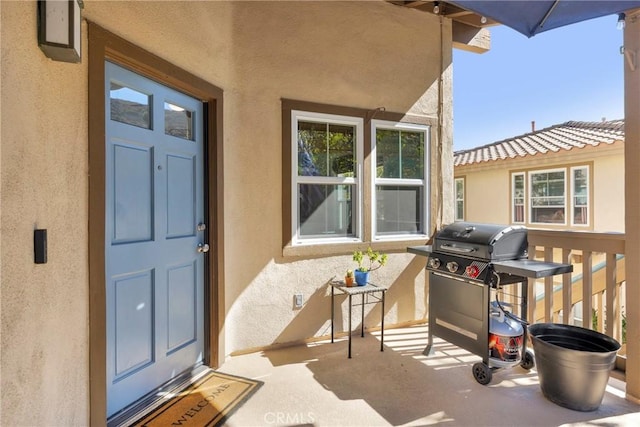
(203,248)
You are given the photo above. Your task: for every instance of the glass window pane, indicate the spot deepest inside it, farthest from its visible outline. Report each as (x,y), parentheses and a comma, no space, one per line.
(556,188)
(399,210)
(547,201)
(459,189)
(518,198)
(580,182)
(459,210)
(325,210)
(387,153)
(539,189)
(130,106)
(547,186)
(580,215)
(178,121)
(547,215)
(311,141)
(580,173)
(326,149)
(518,214)
(556,176)
(399,154)
(581,196)
(580,201)
(342,153)
(459,206)
(548,197)
(518,184)
(412,152)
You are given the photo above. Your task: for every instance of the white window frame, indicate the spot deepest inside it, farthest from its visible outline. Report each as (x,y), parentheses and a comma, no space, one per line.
(424,182)
(566,194)
(356,182)
(573,195)
(513,197)
(456,199)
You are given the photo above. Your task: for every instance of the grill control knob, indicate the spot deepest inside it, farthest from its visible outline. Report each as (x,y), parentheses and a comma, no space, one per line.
(434,263)
(452,266)
(472,271)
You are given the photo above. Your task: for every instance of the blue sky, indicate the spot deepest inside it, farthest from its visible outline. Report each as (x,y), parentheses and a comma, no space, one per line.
(570,73)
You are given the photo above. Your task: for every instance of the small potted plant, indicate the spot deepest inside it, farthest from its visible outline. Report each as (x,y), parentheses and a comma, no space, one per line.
(348,278)
(367,262)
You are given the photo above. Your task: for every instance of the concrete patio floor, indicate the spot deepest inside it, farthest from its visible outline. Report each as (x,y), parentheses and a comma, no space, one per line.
(317,385)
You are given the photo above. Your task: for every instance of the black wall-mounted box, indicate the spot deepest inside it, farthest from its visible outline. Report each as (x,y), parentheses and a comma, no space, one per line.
(40,246)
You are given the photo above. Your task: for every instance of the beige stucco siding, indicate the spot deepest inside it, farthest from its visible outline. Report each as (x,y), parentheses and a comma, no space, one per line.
(44,308)
(608,190)
(485,196)
(278,58)
(356,54)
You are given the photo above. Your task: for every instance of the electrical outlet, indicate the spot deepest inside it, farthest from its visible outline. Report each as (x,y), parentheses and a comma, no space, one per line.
(298,300)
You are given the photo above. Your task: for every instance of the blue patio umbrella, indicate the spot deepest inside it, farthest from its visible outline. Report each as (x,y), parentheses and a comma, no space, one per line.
(534,17)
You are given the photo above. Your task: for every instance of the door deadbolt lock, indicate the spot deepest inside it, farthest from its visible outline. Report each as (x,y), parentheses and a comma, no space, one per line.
(201,227)
(203,248)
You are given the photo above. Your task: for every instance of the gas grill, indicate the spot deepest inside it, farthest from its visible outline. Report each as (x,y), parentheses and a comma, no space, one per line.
(468,263)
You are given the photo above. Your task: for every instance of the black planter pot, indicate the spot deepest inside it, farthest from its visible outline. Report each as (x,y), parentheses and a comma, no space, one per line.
(573,364)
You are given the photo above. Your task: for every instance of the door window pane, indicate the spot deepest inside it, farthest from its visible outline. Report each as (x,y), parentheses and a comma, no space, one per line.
(178,121)
(325,210)
(130,106)
(399,209)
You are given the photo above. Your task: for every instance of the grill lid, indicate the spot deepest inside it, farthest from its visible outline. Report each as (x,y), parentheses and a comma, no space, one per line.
(485,241)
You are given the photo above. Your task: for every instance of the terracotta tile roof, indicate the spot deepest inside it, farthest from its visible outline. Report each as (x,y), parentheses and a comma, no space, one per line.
(562,137)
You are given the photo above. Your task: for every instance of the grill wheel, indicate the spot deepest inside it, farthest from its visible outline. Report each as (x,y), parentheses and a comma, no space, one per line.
(482,373)
(528,360)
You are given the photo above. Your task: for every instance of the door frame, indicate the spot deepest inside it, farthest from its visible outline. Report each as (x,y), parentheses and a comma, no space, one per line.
(103,46)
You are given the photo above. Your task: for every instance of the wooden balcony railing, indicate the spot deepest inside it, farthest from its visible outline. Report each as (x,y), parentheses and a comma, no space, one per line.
(597,283)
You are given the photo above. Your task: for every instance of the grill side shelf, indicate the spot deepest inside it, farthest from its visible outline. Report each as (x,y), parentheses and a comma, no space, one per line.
(531,268)
(424,250)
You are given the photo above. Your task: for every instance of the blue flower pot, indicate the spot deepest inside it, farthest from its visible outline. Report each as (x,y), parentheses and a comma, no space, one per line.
(362,277)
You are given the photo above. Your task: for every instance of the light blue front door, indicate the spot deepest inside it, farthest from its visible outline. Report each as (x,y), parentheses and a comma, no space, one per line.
(155,232)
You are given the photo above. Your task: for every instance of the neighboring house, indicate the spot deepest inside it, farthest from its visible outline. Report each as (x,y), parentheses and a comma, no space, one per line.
(567,176)
(201,165)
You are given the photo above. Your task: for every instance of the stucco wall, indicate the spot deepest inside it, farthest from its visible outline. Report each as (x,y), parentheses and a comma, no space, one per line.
(358,54)
(321,53)
(608,187)
(486,197)
(44,332)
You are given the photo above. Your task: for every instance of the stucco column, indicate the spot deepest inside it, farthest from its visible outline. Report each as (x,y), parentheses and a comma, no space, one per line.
(632,199)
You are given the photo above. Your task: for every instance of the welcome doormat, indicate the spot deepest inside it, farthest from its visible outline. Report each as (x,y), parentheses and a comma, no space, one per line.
(207,402)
